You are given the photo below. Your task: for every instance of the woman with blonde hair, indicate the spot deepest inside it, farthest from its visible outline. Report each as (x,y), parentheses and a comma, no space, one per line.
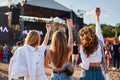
(91,51)
(59,53)
(28,60)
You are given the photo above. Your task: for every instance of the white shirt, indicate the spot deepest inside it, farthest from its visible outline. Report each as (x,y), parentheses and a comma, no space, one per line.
(95,56)
(29,62)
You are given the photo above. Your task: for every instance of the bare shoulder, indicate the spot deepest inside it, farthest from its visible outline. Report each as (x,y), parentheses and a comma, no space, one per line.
(48,52)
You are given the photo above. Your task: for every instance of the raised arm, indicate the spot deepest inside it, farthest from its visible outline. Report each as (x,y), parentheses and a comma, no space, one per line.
(100,37)
(48,27)
(70,39)
(98,28)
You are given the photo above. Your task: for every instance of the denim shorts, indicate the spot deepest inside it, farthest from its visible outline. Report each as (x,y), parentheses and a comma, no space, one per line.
(93,73)
(60,76)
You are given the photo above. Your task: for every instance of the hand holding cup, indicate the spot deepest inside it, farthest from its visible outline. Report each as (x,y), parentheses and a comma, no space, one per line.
(69,23)
(97,11)
(48,26)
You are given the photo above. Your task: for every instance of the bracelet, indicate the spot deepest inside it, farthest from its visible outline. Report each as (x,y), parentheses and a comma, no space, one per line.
(70,29)
(48,30)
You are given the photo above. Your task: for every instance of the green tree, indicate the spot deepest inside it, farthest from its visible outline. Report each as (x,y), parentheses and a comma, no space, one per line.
(118,29)
(107,30)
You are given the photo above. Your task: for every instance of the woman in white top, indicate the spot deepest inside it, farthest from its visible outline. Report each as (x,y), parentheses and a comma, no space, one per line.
(91,52)
(28,60)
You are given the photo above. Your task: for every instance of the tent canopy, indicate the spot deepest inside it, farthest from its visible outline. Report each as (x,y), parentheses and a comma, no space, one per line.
(112,39)
(51,4)
(46,9)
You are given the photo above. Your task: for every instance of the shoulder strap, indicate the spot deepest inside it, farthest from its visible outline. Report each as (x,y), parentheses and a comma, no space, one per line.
(104,64)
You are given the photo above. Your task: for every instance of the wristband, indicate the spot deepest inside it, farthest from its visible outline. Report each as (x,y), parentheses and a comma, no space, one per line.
(70,29)
(48,30)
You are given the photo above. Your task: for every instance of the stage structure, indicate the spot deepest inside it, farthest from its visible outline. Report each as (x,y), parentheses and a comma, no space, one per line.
(40,9)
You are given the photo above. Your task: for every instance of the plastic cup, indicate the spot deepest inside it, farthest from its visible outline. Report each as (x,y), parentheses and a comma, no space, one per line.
(97,9)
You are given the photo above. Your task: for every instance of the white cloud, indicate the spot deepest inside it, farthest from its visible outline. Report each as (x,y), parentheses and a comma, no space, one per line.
(89,16)
(3,3)
(106,13)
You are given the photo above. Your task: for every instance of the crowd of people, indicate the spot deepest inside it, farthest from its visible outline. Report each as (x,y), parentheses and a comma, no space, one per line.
(7,51)
(30,59)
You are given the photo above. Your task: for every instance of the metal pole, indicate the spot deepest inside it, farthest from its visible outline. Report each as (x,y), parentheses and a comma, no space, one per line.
(116,32)
(22,22)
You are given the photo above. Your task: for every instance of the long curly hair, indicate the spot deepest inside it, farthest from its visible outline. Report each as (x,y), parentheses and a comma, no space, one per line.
(89,40)
(59,48)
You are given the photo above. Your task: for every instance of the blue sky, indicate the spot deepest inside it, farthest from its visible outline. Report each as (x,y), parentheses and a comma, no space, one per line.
(110,9)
